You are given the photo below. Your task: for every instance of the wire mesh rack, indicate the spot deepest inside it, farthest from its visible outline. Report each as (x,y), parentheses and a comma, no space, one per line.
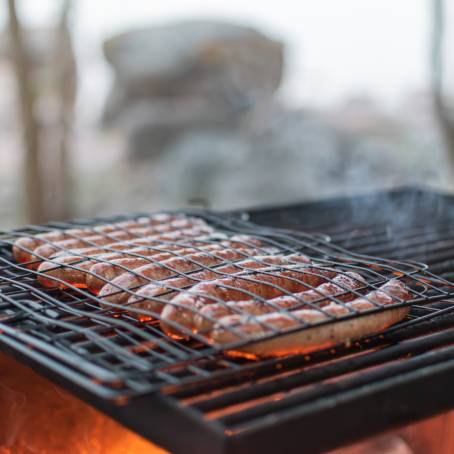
(123,342)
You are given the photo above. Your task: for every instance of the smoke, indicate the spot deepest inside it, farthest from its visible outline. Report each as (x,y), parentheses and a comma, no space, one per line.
(294,156)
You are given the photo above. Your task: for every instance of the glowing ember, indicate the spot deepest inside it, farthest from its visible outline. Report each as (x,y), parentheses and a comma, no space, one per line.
(39,417)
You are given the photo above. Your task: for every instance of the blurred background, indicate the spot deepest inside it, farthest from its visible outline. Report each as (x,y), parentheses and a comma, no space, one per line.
(109,107)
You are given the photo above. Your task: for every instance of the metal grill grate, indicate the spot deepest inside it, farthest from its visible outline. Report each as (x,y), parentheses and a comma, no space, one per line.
(116,356)
(226,404)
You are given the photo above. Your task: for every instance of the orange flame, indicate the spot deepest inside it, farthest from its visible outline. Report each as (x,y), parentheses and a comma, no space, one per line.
(38,416)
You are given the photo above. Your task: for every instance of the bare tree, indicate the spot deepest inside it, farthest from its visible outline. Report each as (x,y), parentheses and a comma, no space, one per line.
(442,110)
(66,86)
(33,183)
(46,184)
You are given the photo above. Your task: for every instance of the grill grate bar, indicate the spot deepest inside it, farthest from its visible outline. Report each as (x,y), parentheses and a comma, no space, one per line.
(324,390)
(319,373)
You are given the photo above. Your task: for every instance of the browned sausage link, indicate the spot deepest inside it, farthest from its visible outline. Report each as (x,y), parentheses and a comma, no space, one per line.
(56,273)
(234,328)
(99,250)
(102,273)
(24,246)
(93,271)
(338,287)
(53,275)
(151,297)
(118,249)
(53,272)
(117,291)
(175,243)
(46,250)
(55,269)
(182,309)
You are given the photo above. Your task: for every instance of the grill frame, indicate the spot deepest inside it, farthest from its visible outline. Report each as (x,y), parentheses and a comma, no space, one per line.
(103,359)
(393,398)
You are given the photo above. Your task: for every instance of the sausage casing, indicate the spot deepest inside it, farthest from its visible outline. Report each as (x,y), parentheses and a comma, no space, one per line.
(338,287)
(183,308)
(47,250)
(234,328)
(152,297)
(94,272)
(118,291)
(24,246)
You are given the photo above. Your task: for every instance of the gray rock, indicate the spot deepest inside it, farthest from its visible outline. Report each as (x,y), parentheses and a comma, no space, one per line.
(232,66)
(152,125)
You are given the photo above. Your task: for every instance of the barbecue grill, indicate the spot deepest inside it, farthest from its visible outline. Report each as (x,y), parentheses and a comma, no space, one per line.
(196,393)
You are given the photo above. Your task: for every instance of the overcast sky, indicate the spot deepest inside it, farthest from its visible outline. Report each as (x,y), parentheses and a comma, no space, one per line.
(336,48)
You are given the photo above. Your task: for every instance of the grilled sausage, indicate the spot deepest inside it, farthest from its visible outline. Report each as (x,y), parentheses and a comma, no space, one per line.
(93,271)
(338,287)
(55,274)
(107,266)
(152,297)
(102,273)
(236,241)
(182,309)
(116,292)
(234,328)
(148,234)
(61,276)
(24,246)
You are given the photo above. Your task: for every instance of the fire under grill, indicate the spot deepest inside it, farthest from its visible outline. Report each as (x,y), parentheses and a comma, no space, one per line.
(219,397)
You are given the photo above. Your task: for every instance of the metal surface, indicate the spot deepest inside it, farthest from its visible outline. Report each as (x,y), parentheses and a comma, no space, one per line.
(234,405)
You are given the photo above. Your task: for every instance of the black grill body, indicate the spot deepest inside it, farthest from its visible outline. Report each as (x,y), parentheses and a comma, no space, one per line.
(311,403)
